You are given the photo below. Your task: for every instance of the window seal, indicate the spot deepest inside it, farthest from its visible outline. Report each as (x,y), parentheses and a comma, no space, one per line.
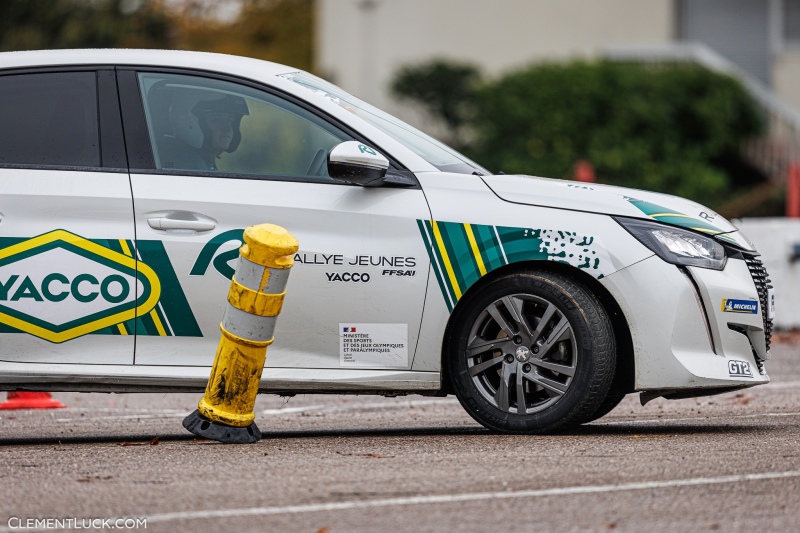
(63,168)
(112,138)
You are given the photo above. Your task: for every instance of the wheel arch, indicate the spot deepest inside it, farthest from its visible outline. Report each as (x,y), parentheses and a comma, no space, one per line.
(624,376)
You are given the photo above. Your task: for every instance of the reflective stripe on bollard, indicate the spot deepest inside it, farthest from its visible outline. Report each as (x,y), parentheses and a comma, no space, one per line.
(225,413)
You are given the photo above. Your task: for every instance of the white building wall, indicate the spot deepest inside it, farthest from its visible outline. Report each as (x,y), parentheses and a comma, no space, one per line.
(361,43)
(775,239)
(786,77)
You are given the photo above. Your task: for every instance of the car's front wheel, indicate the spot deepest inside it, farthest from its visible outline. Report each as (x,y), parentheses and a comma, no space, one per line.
(531,352)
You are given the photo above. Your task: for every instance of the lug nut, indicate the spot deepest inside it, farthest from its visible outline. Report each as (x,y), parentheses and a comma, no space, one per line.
(535,348)
(509,359)
(526,368)
(517,339)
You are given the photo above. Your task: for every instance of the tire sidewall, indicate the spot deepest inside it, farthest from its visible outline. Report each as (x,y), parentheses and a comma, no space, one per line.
(574,404)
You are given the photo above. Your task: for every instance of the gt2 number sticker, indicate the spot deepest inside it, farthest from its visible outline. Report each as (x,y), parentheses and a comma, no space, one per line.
(739,369)
(373,345)
(730,305)
(463,253)
(59,286)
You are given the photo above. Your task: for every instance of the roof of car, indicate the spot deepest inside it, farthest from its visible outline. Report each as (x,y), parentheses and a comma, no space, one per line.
(172,58)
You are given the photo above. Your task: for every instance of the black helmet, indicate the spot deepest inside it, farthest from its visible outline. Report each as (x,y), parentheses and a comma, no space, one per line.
(234,105)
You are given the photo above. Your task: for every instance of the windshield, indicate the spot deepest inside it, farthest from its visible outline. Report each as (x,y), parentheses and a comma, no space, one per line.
(437,154)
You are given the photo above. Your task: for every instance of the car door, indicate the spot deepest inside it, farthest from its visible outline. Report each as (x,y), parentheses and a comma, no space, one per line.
(356,292)
(69,290)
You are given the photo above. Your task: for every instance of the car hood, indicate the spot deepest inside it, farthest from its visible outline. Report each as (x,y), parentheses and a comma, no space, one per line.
(610,200)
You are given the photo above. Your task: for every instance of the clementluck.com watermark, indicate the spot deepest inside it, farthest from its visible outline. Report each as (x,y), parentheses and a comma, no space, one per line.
(17,523)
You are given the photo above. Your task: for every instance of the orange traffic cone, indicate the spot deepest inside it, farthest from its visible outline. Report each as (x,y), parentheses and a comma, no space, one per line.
(30,400)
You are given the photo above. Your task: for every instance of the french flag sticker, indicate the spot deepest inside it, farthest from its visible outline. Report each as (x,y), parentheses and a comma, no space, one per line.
(349,330)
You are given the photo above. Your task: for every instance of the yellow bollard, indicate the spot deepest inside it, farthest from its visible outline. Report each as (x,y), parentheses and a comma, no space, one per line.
(225,413)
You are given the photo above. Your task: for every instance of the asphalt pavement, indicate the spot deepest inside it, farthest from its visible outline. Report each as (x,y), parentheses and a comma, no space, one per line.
(363,463)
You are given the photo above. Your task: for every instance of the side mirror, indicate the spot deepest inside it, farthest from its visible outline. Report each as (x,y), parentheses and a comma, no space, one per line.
(354,162)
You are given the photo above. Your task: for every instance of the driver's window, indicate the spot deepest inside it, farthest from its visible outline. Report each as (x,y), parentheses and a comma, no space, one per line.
(207,125)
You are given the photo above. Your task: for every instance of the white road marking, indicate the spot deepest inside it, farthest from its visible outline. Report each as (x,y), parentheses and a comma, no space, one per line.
(454,498)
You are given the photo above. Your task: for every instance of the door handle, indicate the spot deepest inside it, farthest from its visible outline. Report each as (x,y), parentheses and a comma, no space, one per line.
(181,221)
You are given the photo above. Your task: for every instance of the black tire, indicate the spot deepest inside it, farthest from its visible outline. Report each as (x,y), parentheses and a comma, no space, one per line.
(608,405)
(533,329)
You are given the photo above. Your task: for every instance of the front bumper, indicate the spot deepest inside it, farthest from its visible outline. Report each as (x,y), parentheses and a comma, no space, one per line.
(683,338)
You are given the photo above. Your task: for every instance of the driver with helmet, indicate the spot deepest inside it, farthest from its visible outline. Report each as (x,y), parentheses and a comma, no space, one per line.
(203,130)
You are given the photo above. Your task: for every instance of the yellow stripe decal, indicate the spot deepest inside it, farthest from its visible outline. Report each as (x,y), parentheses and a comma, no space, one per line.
(475,251)
(124,244)
(677,215)
(122,330)
(157,322)
(443,251)
(706,230)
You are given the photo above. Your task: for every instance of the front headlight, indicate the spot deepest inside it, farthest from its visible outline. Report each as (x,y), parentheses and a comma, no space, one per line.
(676,246)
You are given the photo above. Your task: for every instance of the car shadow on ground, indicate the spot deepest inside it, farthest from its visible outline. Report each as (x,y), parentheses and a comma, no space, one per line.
(623,430)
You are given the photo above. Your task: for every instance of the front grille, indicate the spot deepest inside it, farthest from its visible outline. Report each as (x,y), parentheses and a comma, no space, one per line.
(762,281)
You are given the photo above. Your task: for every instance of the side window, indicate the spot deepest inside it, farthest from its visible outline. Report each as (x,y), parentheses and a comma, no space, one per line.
(203,124)
(49,119)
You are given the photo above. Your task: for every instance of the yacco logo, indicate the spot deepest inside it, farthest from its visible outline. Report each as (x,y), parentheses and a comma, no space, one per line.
(730,305)
(59,286)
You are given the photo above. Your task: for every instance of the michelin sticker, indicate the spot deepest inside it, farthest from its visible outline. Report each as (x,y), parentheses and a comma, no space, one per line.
(373,345)
(60,286)
(729,305)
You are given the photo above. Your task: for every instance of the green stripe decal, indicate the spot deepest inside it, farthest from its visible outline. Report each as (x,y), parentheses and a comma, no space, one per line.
(458,249)
(496,246)
(426,230)
(173,299)
(668,216)
(490,249)
(521,244)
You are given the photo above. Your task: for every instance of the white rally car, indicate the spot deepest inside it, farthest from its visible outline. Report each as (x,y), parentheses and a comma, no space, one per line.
(127,178)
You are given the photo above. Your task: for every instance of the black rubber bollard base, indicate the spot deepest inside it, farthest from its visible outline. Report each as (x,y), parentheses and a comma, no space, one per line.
(203,427)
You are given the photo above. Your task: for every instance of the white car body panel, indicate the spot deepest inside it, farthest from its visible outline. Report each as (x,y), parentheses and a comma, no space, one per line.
(331,222)
(611,200)
(37,202)
(142,378)
(672,345)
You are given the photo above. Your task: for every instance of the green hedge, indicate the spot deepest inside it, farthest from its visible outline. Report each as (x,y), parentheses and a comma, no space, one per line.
(667,128)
